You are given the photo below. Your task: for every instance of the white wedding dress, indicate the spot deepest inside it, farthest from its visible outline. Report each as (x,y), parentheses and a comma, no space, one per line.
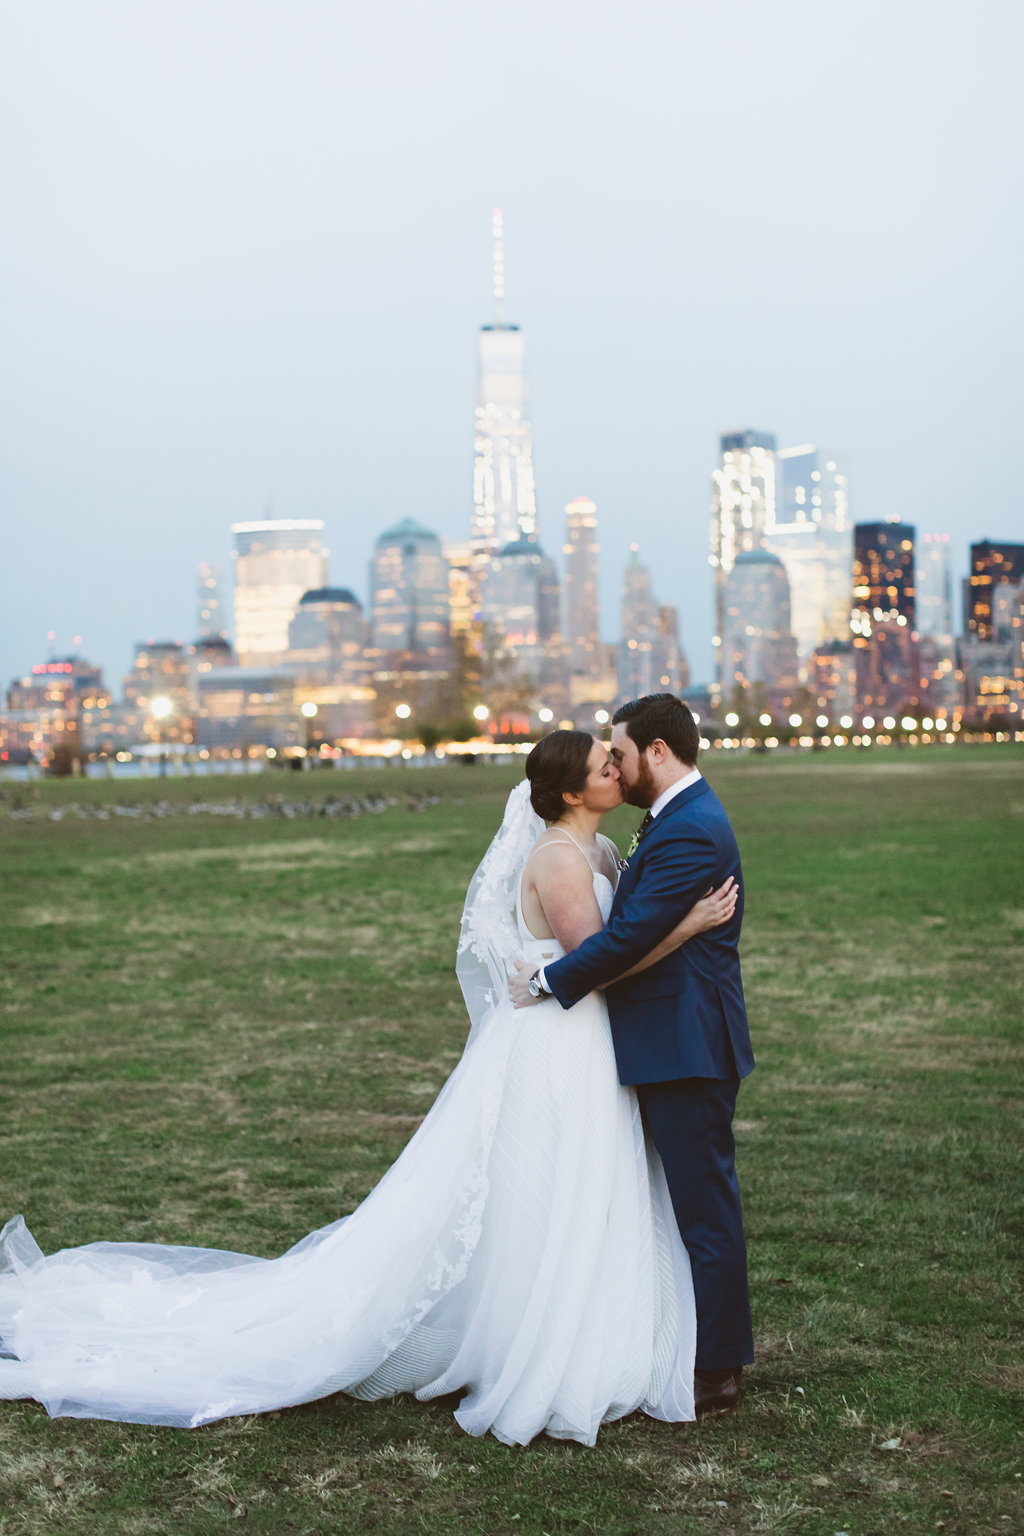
(522,1250)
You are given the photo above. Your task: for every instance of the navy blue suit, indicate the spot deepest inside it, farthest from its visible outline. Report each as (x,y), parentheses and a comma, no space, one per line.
(681,1038)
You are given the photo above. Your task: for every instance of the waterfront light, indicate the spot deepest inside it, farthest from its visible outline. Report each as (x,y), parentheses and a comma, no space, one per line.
(889,723)
(764,719)
(908,724)
(309,709)
(846,721)
(732,719)
(868,722)
(481,712)
(161,707)
(547,715)
(403,711)
(822,720)
(796,720)
(602,716)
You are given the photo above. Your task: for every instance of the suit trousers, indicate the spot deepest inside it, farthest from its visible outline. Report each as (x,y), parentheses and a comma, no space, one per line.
(689,1121)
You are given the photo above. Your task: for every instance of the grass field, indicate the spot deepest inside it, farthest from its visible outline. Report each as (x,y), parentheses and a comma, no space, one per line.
(221,1030)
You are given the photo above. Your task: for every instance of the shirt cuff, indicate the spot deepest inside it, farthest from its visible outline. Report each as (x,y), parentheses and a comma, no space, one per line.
(542,979)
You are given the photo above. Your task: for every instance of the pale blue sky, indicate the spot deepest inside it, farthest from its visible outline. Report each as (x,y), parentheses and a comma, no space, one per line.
(247,249)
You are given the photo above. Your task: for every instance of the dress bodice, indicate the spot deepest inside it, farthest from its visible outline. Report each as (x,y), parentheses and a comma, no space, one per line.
(543,951)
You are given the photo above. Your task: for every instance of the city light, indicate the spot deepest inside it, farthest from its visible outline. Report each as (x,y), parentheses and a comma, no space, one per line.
(822,720)
(481,712)
(732,719)
(403,711)
(161,707)
(546,715)
(764,719)
(889,724)
(868,722)
(908,724)
(846,721)
(602,716)
(309,709)
(796,720)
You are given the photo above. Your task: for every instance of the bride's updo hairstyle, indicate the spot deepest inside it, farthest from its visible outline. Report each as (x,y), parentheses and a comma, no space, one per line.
(557,766)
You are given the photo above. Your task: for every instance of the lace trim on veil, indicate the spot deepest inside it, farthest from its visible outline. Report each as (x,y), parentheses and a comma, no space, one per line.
(489,938)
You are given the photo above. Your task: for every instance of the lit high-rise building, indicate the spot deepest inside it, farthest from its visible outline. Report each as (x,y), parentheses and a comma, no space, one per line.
(934,587)
(758,647)
(582,609)
(504,500)
(409,601)
(328,636)
(275,563)
(991,565)
(639,617)
(940,688)
(212,622)
(742,513)
(884,589)
(328,640)
(160,670)
(884,616)
(813,537)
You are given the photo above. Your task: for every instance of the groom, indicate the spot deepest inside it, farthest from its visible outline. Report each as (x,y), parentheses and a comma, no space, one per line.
(679,1027)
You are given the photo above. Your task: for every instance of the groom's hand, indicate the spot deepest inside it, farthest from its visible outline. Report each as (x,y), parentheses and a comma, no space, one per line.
(519,985)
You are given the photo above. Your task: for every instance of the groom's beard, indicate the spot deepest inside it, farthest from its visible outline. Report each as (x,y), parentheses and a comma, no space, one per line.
(643,791)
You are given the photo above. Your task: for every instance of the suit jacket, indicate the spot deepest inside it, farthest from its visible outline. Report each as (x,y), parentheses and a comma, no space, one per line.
(684,1016)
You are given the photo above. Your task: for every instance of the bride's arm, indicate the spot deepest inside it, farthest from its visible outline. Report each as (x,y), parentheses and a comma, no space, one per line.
(710,912)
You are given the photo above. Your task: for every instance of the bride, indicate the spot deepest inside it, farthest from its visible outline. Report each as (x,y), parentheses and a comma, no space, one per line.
(522,1250)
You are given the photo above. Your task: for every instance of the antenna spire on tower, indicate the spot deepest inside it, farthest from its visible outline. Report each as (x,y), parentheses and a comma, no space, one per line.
(498,235)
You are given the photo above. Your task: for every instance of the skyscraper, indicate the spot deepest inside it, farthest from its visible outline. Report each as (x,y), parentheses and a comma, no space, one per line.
(504,501)
(212,623)
(884,588)
(934,618)
(638,629)
(742,512)
(813,537)
(582,611)
(884,615)
(409,601)
(650,657)
(991,565)
(275,563)
(758,648)
(510,606)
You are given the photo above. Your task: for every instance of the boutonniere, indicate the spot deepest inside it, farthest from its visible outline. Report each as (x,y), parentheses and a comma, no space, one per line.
(634,844)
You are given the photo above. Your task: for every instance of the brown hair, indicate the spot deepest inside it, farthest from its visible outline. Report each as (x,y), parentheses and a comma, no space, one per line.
(556,766)
(661,716)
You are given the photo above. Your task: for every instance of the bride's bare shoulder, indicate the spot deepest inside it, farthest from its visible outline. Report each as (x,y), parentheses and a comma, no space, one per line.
(559,854)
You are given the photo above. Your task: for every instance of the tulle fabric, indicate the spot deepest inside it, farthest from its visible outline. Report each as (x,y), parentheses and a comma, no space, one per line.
(522,1251)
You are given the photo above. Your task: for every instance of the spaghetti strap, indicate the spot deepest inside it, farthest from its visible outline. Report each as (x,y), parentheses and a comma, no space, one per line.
(539,848)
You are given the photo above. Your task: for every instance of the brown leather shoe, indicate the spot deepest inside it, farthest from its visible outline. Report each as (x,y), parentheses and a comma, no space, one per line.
(715,1396)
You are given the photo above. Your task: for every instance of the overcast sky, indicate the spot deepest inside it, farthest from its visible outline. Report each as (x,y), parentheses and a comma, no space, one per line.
(246,254)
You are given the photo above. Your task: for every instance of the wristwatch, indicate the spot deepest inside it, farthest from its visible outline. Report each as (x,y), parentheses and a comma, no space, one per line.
(536,990)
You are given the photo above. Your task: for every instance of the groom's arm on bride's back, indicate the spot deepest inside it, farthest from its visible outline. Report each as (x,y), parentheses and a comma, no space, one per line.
(676,873)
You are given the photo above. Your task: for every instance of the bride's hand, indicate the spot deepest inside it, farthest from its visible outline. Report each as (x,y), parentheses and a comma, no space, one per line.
(712,910)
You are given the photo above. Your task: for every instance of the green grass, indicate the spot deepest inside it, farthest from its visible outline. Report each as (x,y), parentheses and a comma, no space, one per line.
(222,1032)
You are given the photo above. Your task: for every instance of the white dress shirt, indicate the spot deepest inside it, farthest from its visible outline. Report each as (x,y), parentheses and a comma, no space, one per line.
(693,777)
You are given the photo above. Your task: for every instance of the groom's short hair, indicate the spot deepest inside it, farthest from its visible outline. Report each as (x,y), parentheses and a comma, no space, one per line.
(661,717)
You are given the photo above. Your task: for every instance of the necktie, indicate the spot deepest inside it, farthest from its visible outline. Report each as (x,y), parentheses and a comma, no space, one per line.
(644,827)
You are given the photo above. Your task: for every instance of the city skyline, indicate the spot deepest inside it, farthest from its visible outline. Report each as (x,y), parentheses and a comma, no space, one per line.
(252,287)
